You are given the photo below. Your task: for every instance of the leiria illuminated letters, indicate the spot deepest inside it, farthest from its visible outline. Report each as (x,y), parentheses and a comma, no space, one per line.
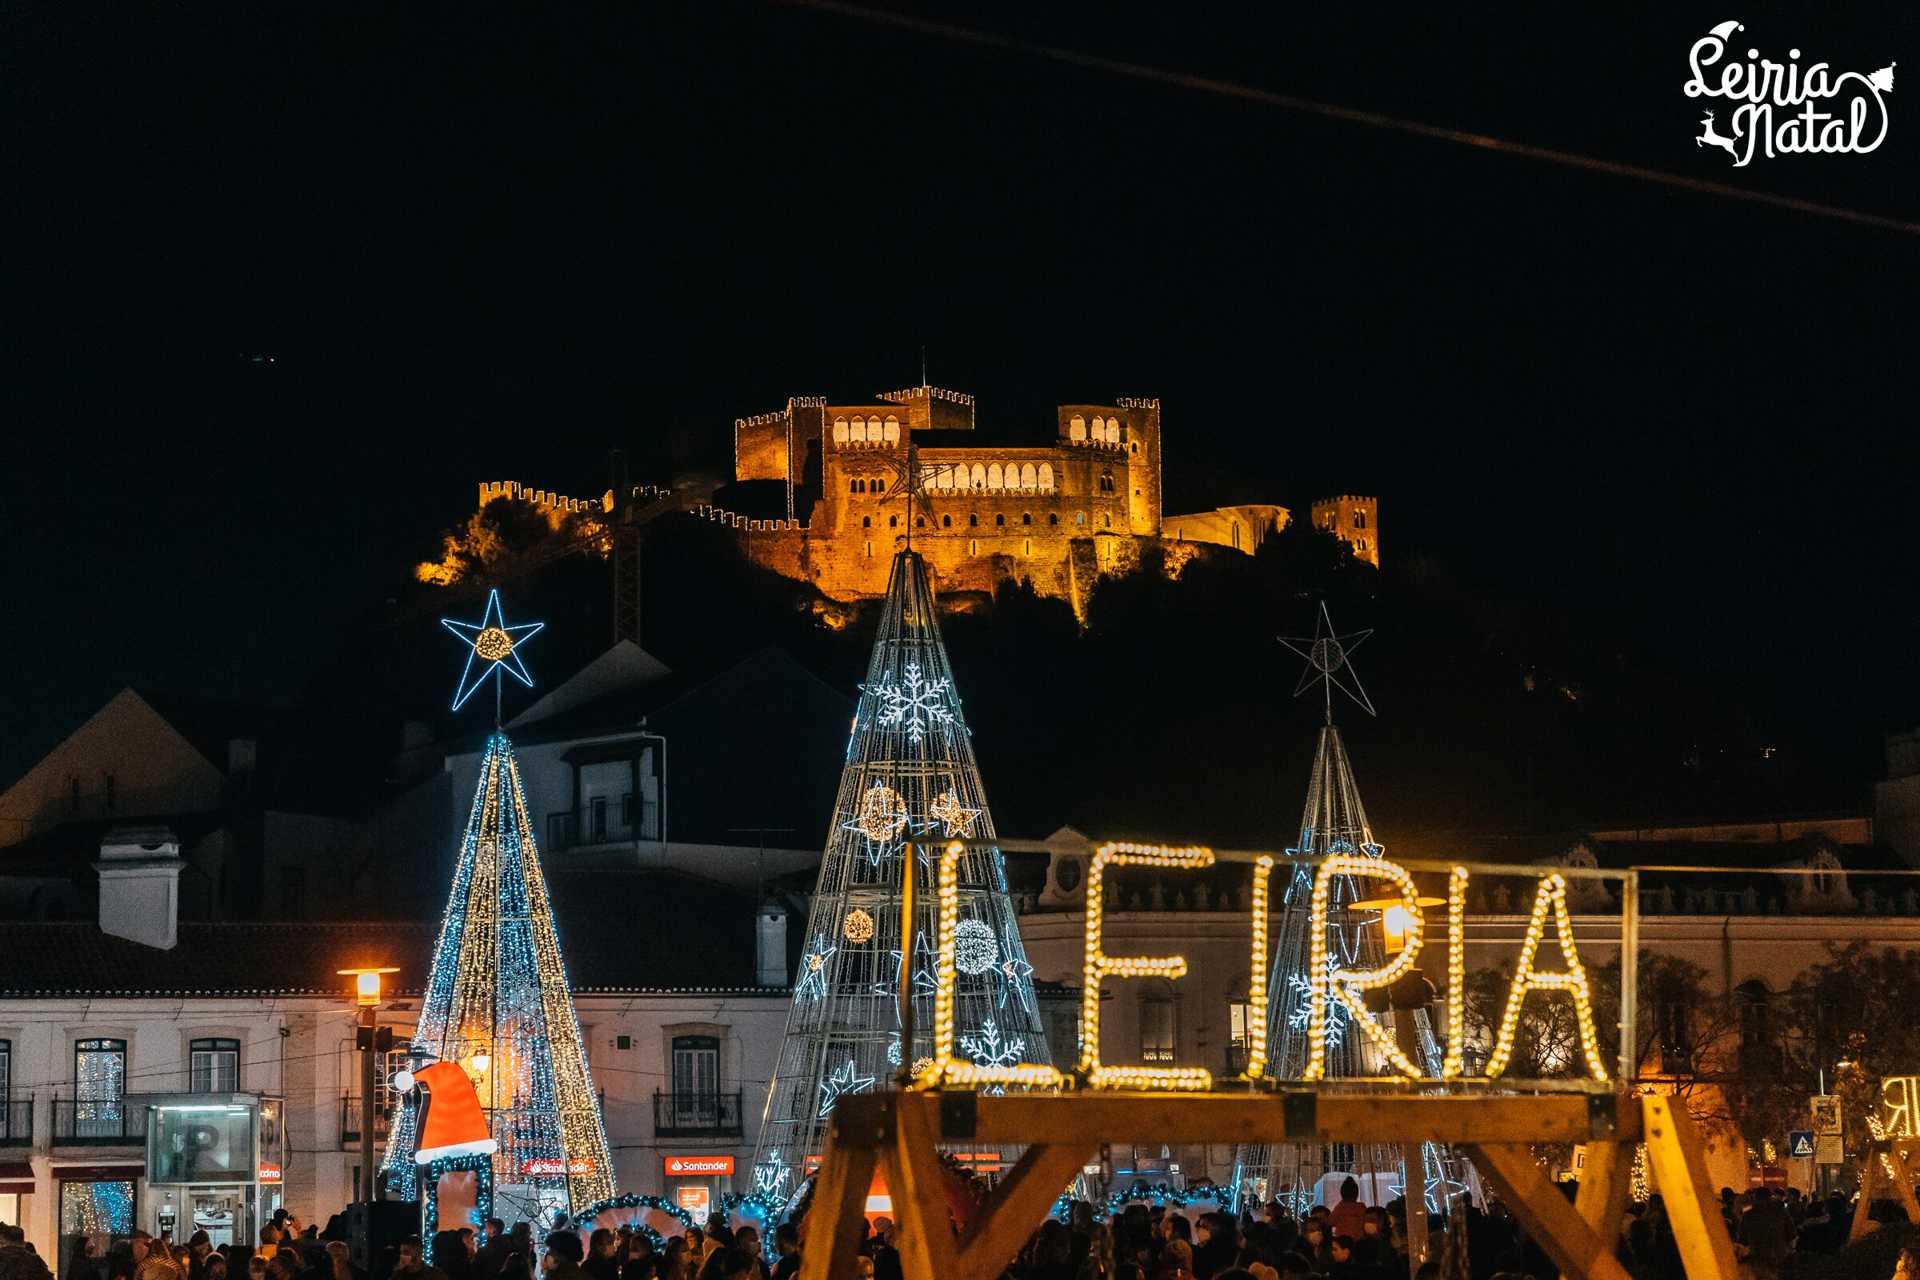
(1331,982)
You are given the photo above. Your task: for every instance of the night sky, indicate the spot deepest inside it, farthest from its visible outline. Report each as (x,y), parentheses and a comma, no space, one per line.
(481,243)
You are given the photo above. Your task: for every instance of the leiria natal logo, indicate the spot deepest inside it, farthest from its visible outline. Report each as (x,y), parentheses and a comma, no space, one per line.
(1780,108)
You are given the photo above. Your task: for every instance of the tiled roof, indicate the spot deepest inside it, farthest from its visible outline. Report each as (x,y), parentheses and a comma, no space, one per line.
(619,932)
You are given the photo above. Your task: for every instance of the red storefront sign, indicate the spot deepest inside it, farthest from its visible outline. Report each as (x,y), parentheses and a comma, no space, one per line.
(541,1167)
(699,1166)
(270,1173)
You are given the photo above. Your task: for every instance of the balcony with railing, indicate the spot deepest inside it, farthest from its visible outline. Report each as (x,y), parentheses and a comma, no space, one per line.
(16,1122)
(604,820)
(99,1122)
(696,1115)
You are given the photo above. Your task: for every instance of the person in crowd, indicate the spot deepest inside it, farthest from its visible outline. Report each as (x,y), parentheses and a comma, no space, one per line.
(215,1267)
(677,1263)
(601,1264)
(786,1247)
(563,1257)
(451,1255)
(411,1262)
(18,1261)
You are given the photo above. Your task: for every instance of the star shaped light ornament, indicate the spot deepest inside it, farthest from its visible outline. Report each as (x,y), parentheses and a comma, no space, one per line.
(492,647)
(1328,662)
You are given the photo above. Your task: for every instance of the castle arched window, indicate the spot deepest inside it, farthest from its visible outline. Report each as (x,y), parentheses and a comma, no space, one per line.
(1133,446)
(993,475)
(1079,517)
(1000,522)
(1076,428)
(946,522)
(879,485)
(893,522)
(1113,431)
(1046,477)
(974,521)
(1029,478)
(1106,482)
(866,522)
(1359,519)
(1099,428)
(859,430)
(920,522)
(891,431)
(839,430)
(973,546)
(979,476)
(1028,548)
(1107,519)
(1026,517)
(1053,517)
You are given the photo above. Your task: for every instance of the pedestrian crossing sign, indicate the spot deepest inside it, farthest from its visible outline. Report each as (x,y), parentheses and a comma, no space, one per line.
(1800,1144)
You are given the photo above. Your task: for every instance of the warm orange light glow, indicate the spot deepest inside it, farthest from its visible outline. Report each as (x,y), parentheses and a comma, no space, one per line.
(366,984)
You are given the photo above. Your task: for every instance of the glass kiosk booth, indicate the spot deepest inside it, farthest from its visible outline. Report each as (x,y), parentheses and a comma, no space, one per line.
(214,1164)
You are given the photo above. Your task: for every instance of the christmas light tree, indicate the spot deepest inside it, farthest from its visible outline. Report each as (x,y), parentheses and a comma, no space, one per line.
(497,999)
(910,782)
(1334,821)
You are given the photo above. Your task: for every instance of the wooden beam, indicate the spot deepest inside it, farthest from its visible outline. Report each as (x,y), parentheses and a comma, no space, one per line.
(1091,1118)
(1903,1151)
(916,1185)
(1870,1175)
(1017,1206)
(834,1223)
(1604,1186)
(1675,1155)
(1553,1223)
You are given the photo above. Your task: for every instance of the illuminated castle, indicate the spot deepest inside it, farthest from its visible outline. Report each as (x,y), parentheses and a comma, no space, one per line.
(825,481)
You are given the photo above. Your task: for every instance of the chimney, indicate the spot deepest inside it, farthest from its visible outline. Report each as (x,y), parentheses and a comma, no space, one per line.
(770,946)
(140,885)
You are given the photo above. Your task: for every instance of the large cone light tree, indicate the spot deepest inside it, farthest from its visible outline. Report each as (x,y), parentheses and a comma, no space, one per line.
(909,784)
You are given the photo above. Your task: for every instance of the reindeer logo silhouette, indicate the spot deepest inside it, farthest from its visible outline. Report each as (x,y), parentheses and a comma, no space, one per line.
(1712,138)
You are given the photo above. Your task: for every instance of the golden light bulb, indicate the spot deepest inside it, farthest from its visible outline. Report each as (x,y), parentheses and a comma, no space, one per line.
(493,644)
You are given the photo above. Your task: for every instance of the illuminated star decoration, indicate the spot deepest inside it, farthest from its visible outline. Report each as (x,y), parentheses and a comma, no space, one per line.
(1017,973)
(813,970)
(493,647)
(923,983)
(1328,662)
(881,818)
(954,818)
(843,1081)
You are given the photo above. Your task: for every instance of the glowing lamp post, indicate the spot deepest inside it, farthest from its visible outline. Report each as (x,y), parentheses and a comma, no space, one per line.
(372,1040)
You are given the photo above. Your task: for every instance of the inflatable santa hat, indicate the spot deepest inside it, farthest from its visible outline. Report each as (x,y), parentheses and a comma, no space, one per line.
(451,1123)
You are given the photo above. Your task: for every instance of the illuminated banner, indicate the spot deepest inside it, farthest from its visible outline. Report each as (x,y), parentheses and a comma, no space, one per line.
(544,1167)
(699,1166)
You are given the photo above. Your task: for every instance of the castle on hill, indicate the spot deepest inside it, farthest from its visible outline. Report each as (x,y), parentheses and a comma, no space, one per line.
(828,481)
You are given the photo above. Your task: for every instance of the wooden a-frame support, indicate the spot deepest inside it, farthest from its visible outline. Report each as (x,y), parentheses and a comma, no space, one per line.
(900,1134)
(1876,1185)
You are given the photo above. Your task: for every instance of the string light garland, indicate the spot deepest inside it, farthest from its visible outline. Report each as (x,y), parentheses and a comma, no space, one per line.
(430,1174)
(1257,994)
(1098,966)
(1455,1062)
(955,819)
(1341,984)
(1551,895)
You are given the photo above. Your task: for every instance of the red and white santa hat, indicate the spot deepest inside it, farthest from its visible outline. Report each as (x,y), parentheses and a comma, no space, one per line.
(454,1124)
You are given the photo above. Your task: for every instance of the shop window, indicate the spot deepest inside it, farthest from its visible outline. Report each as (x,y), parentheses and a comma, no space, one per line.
(102,1208)
(213,1066)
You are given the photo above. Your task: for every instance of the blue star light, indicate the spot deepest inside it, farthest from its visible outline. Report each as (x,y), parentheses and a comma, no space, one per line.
(493,646)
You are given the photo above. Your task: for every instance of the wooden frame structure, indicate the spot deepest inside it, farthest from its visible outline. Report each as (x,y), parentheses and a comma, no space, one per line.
(899,1134)
(1887,1171)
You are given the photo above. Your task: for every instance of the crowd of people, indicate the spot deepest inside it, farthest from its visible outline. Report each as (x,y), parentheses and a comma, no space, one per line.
(1783,1235)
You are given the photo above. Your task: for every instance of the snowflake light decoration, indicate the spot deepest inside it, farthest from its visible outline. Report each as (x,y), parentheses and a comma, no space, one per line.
(974,947)
(893,1050)
(842,1082)
(770,1177)
(917,703)
(858,927)
(1302,1015)
(987,1049)
(954,818)
(813,970)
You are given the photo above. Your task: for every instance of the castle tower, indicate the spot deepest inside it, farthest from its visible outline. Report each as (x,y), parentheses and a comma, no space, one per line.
(1353,520)
(910,775)
(1142,431)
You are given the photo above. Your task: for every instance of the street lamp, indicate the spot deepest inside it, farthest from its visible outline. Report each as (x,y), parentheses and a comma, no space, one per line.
(372,1040)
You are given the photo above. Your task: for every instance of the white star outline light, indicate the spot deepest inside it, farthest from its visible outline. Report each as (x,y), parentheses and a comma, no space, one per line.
(842,1082)
(1329,661)
(471,634)
(916,702)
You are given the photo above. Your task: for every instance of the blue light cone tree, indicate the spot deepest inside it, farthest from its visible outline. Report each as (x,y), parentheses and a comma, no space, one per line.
(497,998)
(1333,821)
(910,777)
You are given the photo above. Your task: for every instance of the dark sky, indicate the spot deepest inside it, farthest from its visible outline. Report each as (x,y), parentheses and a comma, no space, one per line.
(483,242)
